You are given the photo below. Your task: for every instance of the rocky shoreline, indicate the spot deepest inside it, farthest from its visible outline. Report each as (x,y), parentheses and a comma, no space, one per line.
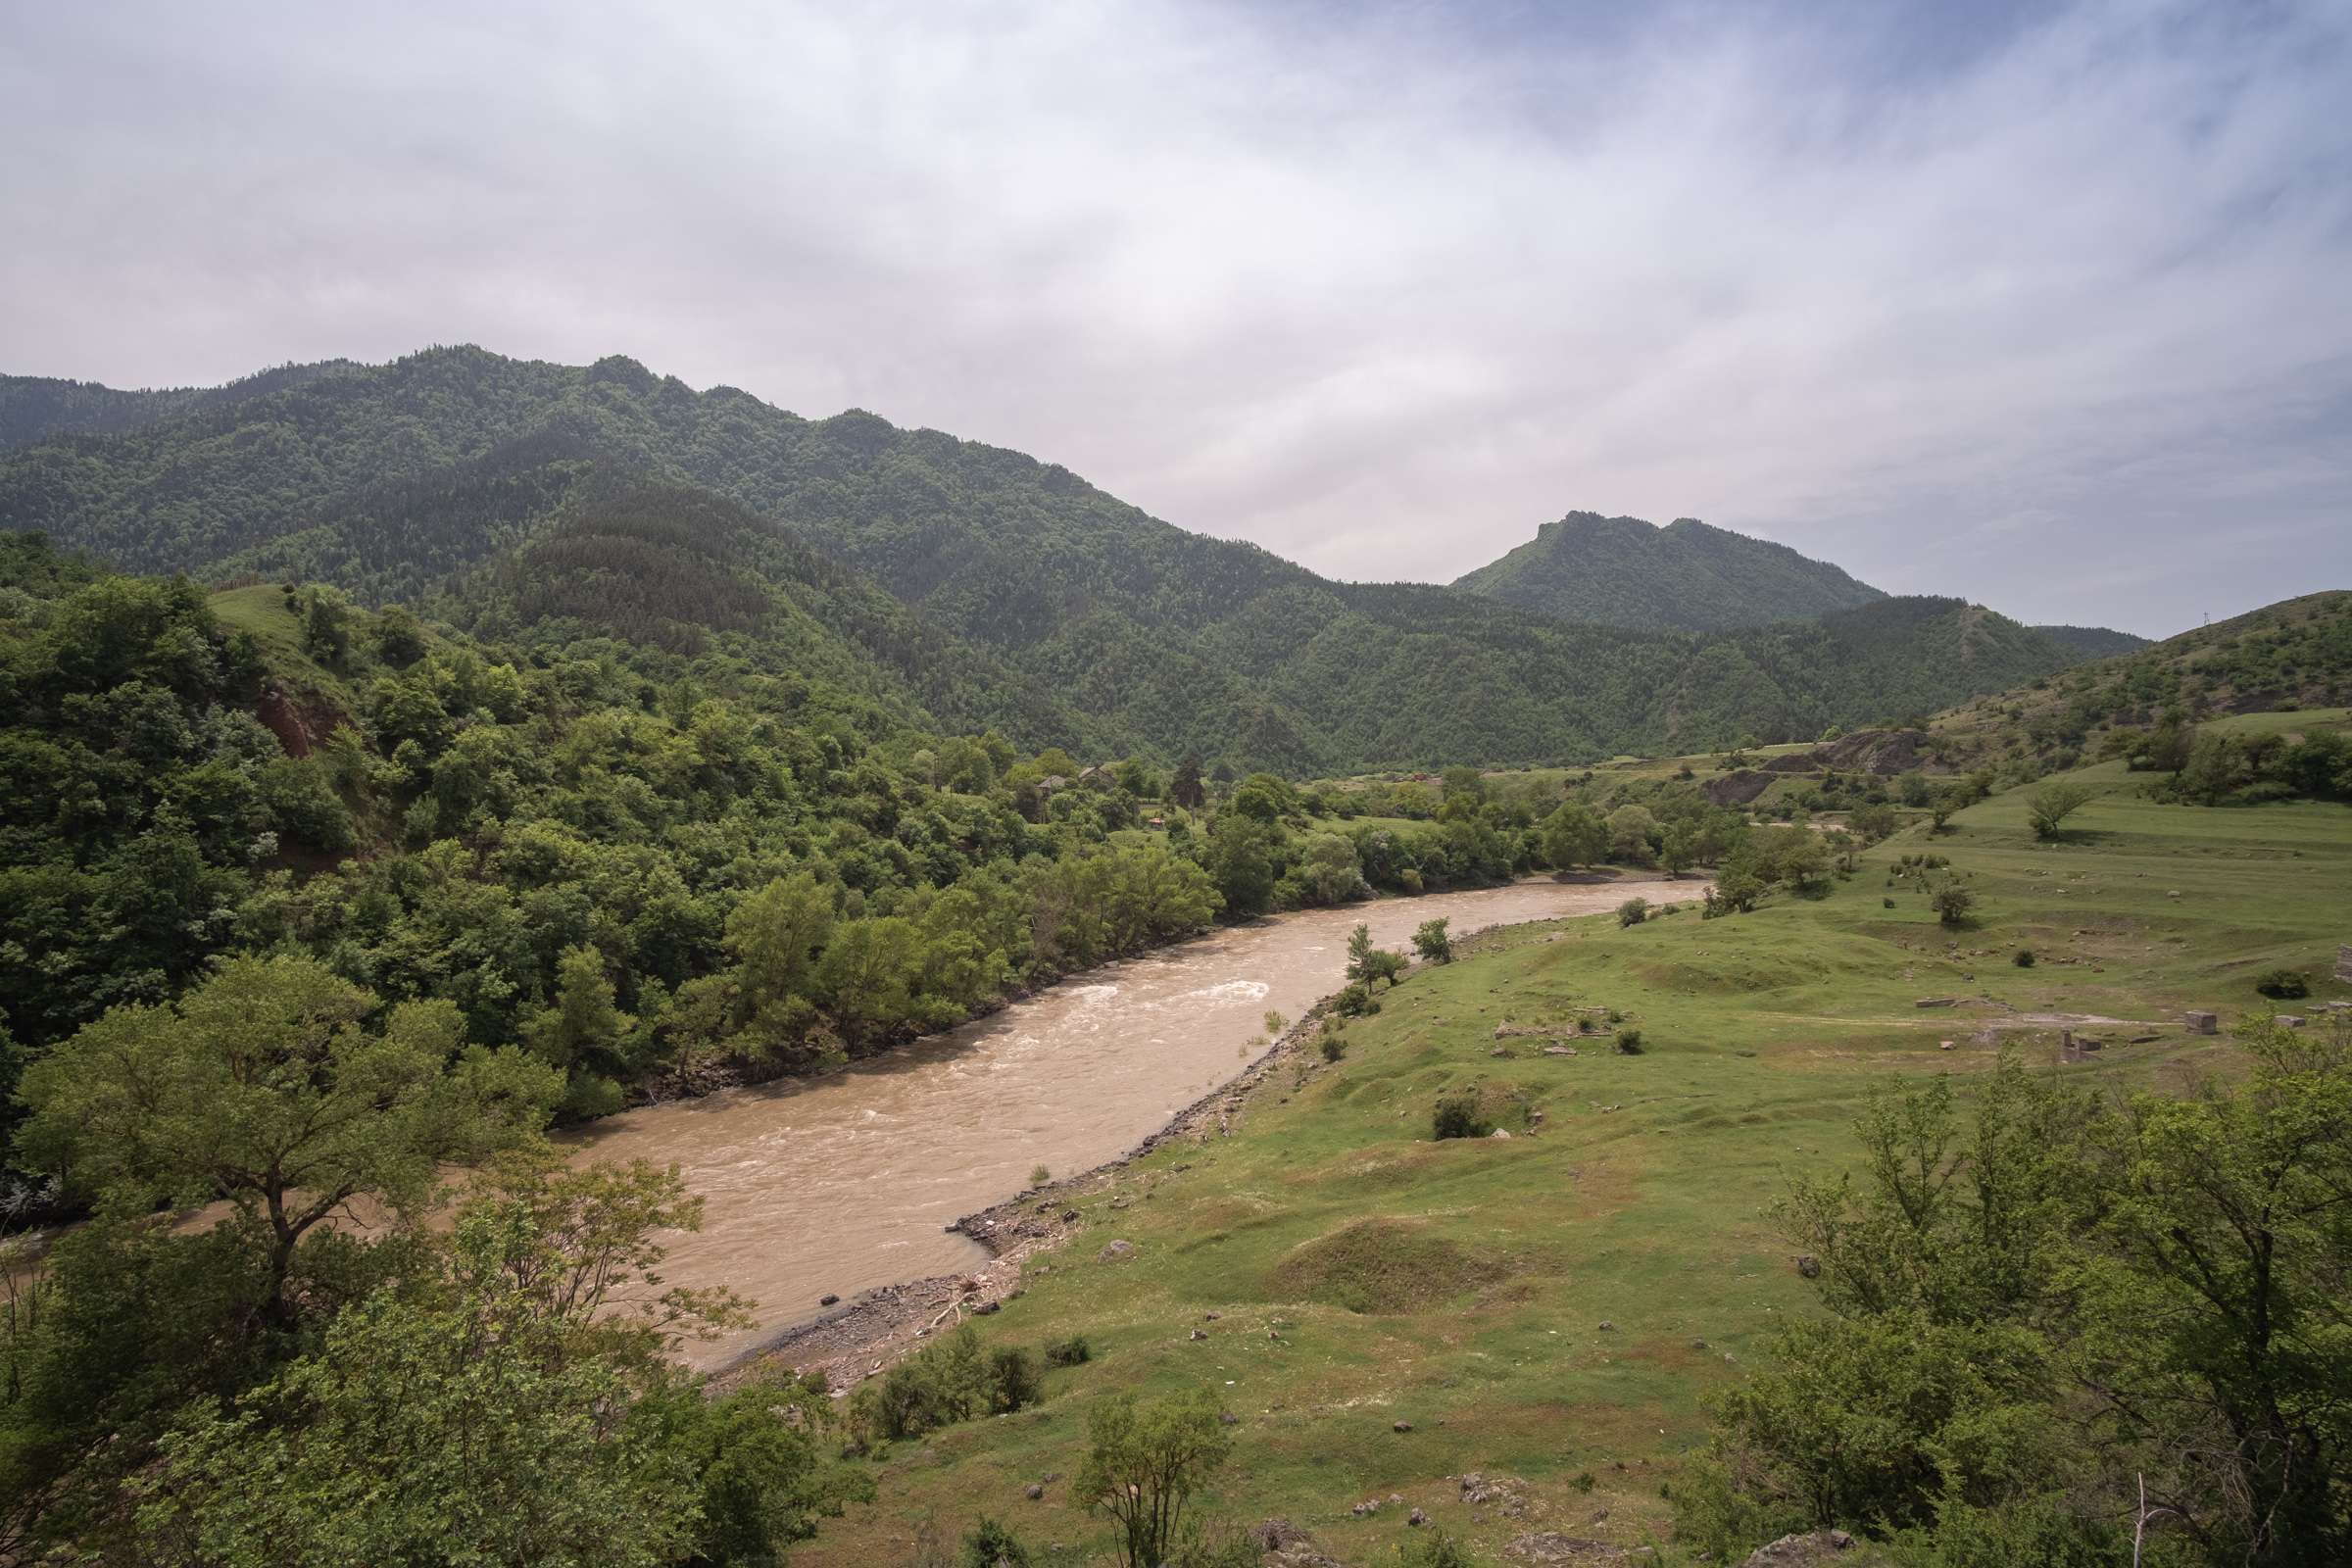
(868,1333)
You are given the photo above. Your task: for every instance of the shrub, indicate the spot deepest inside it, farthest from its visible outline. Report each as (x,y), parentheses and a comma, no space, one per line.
(945,1383)
(1456,1117)
(1431,941)
(1886,903)
(2023,959)
(1354,1001)
(1072,1352)
(1952,902)
(1039,1175)
(1628,1040)
(1632,911)
(2283,984)
(1334,1044)
(1433,1548)
(1013,1380)
(991,1545)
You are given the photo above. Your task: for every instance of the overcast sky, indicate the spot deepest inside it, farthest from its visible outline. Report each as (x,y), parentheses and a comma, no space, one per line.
(2050,307)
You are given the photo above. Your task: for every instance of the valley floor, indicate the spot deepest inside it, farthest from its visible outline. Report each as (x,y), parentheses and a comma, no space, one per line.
(1386,1316)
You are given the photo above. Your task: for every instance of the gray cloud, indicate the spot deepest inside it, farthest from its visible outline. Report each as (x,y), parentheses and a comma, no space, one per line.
(2048,310)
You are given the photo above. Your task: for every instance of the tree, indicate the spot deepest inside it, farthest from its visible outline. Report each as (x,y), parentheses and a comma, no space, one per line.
(1143,1463)
(1432,940)
(1263,796)
(1632,911)
(1953,901)
(513,1407)
(2214,1317)
(1240,861)
(1185,788)
(1941,807)
(2053,804)
(1631,828)
(1574,835)
(260,1087)
(582,1027)
(1360,953)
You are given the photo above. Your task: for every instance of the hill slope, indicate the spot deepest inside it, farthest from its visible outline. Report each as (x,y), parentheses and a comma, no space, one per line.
(1623,571)
(390,479)
(36,408)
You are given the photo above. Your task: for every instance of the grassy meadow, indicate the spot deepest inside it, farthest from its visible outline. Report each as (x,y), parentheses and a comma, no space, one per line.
(1554,1307)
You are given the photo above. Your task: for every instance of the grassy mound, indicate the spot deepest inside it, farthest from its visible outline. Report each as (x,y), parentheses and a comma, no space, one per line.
(1382,1264)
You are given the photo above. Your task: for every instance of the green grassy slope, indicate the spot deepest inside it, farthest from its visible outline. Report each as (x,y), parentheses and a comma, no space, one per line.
(1537,1305)
(1623,571)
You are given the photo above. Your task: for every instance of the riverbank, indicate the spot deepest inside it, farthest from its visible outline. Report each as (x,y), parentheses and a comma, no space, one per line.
(864,1335)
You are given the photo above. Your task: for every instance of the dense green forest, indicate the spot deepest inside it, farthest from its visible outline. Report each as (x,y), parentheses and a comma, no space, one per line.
(658,848)
(1127,634)
(1623,571)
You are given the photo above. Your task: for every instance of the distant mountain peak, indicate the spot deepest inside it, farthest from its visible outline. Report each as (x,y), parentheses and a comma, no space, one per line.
(1689,575)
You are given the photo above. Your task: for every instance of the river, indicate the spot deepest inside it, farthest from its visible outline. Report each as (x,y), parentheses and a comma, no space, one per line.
(837,1183)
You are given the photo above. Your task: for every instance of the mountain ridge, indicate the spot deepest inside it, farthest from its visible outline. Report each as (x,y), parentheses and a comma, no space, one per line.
(1690,575)
(392,480)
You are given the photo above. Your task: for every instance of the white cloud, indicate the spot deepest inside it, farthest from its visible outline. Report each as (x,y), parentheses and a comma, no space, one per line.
(1381,293)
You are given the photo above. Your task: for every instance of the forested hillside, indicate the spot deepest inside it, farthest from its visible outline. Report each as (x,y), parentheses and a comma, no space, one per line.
(1623,571)
(35,408)
(1066,616)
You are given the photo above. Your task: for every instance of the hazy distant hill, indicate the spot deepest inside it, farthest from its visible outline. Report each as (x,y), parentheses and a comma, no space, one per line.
(396,480)
(1623,571)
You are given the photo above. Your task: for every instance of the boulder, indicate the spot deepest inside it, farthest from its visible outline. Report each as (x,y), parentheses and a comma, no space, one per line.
(2202,1023)
(1401,1426)
(1118,1251)
(827,1299)
(1808,1265)
(1032,1491)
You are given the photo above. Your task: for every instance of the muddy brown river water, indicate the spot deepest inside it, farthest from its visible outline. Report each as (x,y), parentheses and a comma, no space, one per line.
(835,1184)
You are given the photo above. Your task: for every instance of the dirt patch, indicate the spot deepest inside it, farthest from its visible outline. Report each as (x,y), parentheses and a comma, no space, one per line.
(1874,751)
(1381,1265)
(300,727)
(1738,789)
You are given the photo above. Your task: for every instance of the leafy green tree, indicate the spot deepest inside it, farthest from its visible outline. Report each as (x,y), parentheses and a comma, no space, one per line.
(867,977)
(581,1033)
(1240,861)
(262,1088)
(1143,1463)
(2052,804)
(1262,798)
(1432,940)
(1574,835)
(1631,830)
(489,1414)
(1952,901)
(2213,1317)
